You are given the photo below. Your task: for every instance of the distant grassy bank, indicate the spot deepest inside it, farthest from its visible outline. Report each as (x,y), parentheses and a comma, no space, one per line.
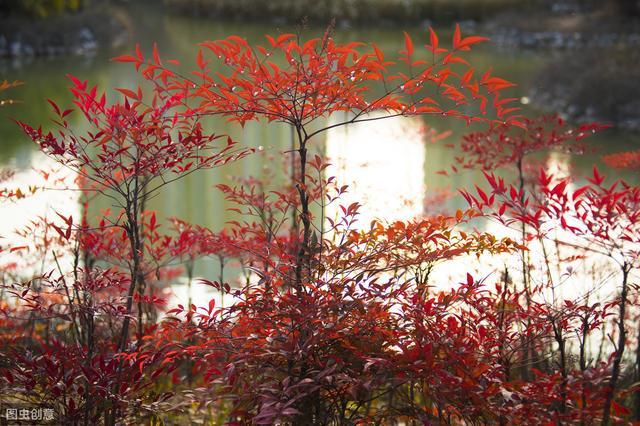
(347,11)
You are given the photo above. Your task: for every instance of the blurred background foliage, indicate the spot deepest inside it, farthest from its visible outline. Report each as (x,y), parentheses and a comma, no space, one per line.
(370,11)
(41,8)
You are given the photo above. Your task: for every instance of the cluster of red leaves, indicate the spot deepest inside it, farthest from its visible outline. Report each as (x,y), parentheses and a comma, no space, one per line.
(57,338)
(299,82)
(623,160)
(149,137)
(362,332)
(604,220)
(607,217)
(502,146)
(353,335)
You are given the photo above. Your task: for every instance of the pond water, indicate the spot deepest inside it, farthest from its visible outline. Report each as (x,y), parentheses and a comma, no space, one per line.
(396,158)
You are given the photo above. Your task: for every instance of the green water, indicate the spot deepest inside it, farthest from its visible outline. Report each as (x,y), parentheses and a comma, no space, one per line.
(194,199)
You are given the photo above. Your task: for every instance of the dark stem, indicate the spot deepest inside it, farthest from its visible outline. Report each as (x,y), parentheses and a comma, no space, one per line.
(622,338)
(583,364)
(302,257)
(528,350)
(557,333)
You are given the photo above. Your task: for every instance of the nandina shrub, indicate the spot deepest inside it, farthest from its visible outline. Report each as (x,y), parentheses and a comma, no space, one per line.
(131,150)
(334,321)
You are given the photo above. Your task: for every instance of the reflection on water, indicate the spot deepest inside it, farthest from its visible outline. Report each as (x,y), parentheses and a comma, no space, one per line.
(382,162)
(54,195)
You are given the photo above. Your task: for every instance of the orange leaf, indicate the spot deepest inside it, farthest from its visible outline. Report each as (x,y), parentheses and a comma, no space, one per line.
(284,37)
(156,56)
(379,53)
(434,40)
(456,37)
(128,93)
(468,41)
(408,44)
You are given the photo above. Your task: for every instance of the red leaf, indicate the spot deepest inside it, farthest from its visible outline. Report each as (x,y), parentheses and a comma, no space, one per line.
(55,107)
(125,58)
(199,59)
(619,409)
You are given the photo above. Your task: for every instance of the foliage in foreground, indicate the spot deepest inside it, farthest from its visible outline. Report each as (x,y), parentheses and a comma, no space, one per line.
(333,321)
